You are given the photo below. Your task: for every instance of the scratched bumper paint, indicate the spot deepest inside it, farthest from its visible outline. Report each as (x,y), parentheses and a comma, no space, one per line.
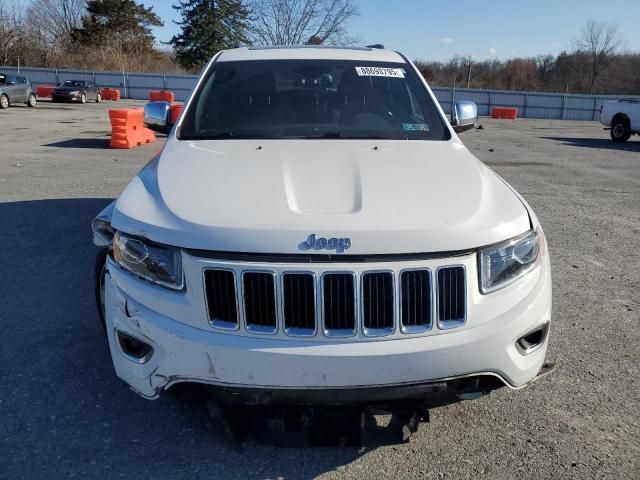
(184,352)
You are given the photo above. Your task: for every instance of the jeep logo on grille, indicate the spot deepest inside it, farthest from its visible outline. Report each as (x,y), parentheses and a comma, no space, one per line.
(321,243)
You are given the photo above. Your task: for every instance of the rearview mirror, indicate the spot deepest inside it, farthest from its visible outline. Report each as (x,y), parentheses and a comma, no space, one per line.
(464,116)
(157,116)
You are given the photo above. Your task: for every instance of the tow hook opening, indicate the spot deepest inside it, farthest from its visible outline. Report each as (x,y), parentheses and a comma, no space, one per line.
(134,348)
(533,340)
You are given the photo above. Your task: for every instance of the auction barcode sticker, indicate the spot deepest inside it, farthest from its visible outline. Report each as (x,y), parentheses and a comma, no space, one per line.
(380,72)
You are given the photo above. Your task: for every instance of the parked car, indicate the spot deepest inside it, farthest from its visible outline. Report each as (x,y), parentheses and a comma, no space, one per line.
(76,90)
(315,232)
(622,117)
(16,89)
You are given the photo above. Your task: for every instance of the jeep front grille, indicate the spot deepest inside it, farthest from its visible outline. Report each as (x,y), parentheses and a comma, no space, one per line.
(451,296)
(221,295)
(259,293)
(378,306)
(336,303)
(339,304)
(415,300)
(299,303)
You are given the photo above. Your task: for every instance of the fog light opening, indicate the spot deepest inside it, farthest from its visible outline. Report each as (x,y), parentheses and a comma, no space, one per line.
(133,348)
(533,340)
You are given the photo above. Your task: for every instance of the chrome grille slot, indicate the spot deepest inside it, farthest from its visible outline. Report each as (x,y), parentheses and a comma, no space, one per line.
(377,303)
(452,297)
(260,302)
(415,300)
(221,295)
(339,307)
(299,303)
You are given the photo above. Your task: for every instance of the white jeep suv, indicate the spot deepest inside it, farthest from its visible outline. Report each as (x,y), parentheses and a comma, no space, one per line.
(315,232)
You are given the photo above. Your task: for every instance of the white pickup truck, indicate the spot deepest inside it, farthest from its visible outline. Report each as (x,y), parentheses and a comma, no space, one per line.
(623,116)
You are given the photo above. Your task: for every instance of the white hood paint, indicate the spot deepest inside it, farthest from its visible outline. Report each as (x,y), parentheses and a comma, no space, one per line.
(267,196)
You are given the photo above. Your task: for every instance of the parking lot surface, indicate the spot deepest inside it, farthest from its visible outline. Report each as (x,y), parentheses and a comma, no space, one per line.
(64,414)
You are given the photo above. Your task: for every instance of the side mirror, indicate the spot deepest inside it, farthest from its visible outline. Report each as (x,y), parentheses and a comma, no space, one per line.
(157,116)
(464,116)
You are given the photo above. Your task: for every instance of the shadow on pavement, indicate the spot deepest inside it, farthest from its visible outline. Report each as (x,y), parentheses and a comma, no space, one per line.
(81,143)
(61,399)
(629,146)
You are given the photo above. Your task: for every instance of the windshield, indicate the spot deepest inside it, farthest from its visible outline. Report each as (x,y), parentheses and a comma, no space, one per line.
(72,83)
(312,99)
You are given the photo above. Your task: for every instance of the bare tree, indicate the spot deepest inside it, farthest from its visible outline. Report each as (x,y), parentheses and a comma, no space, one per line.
(51,25)
(544,66)
(599,42)
(10,30)
(56,19)
(296,22)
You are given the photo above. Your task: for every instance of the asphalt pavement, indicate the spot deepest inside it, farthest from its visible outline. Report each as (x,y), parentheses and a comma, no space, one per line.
(64,414)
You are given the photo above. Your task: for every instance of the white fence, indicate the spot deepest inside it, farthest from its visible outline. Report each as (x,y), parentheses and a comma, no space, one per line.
(529,104)
(131,85)
(555,106)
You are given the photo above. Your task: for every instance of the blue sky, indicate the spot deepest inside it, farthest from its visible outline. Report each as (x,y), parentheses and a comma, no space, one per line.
(438,30)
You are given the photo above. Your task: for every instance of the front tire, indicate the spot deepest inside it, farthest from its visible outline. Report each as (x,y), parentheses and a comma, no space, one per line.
(620,130)
(100,270)
(83,98)
(4,102)
(98,97)
(32,101)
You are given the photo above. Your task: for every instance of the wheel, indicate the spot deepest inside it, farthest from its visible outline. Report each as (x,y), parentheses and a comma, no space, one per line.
(99,276)
(83,98)
(620,130)
(32,100)
(4,102)
(98,97)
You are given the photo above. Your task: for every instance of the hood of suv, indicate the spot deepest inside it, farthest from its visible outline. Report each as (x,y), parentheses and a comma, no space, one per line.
(268,196)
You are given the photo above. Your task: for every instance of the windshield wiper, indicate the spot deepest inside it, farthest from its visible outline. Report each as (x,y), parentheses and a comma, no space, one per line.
(333,135)
(337,134)
(222,135)
(229,135)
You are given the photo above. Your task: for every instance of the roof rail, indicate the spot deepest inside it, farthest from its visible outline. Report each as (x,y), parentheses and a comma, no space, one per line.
(377,46)
(293,47)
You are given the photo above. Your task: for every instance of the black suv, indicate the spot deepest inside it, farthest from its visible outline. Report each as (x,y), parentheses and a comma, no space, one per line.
(16,89)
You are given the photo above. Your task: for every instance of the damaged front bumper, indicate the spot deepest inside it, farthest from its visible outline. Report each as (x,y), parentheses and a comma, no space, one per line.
(434,370)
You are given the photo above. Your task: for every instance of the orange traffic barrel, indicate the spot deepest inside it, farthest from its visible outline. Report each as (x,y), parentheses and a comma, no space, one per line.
(127,128)
(44,90)
(110,94)
(508,113)
(176,110)
(161,96)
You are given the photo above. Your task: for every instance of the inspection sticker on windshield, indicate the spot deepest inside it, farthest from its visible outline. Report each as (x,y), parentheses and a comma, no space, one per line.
(415,127)
(380,72)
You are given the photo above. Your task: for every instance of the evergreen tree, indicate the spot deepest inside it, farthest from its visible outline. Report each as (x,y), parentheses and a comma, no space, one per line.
(208,26)
(124,23)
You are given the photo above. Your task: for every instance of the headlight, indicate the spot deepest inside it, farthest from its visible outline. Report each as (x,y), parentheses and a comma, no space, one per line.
(157,263)
(75,92)
(102,232)
(504,263)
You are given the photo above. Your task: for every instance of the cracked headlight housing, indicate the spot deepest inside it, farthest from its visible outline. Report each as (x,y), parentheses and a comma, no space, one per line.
(504,263)
(151,261)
